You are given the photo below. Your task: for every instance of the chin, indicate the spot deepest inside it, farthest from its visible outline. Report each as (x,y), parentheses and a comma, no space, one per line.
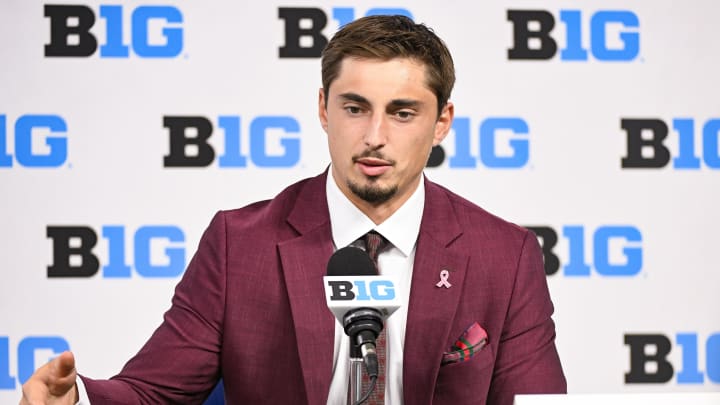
(372,192)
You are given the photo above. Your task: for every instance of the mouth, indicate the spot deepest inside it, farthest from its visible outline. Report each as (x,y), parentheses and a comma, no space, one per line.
(373,167)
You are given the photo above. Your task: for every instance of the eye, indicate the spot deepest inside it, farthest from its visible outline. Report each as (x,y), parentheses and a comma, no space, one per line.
(353,109)
(404,115)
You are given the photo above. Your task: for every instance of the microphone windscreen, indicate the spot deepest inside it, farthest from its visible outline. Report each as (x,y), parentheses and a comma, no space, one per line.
(350,261)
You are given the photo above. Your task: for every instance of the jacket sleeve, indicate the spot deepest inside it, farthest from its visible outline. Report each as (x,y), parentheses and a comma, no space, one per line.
(180,363)
(527,360)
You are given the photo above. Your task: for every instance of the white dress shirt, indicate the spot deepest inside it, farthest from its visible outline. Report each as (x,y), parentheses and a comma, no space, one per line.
(401,230)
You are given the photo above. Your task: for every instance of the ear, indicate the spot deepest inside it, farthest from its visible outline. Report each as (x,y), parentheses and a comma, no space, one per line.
(322,109)
(444,123)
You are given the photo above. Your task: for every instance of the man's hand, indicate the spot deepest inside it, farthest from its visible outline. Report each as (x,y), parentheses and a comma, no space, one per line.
(53,383)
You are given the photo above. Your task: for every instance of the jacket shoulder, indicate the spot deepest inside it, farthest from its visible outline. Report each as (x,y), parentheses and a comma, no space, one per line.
(474,219)
(272,214)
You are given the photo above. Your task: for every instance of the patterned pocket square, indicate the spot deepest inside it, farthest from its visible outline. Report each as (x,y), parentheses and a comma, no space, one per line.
(472,340)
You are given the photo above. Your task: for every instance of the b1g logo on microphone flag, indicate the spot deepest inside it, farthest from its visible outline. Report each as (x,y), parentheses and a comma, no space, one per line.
(344,293)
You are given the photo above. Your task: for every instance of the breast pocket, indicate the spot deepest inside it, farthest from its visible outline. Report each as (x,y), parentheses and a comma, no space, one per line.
(466,382)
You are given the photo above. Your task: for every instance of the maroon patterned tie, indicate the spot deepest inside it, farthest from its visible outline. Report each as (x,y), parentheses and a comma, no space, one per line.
(374,244)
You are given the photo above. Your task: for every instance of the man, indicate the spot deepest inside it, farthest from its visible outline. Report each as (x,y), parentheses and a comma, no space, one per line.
(251,309)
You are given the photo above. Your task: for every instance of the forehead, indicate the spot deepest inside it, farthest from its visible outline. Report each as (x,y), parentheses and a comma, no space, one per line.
(393,76)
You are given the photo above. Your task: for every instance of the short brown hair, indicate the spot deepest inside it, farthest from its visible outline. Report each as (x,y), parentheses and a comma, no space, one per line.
(387,37)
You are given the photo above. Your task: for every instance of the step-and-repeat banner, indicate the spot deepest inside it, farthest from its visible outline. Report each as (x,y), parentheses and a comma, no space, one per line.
(124,126)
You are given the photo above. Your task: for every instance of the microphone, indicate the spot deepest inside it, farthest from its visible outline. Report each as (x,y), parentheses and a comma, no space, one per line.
(360,299)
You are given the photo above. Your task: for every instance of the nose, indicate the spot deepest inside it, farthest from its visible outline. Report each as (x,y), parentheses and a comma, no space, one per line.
(376,134)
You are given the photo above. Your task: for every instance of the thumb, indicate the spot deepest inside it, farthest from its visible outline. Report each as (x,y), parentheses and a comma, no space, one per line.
(62,375)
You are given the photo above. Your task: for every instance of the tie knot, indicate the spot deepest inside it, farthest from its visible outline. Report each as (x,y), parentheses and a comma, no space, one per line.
(374,244)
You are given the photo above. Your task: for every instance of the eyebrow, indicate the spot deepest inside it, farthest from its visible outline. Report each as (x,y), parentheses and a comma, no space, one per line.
(394,104)
(404,103)
(354,97)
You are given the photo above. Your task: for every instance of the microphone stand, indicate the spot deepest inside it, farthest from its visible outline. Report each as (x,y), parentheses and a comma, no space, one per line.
(356,370)
(362,325)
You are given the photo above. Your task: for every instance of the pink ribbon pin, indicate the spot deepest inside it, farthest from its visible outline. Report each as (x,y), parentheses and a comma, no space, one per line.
(444,279)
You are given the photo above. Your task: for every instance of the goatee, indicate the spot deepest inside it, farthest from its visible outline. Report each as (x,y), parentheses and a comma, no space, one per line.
(372,193)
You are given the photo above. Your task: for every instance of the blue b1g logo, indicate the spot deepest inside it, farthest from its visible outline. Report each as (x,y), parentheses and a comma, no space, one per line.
(29,153)
(73,254)
(362,290)
(653,349)
(76,40)
(28,351)
(304,27)
(604,243)
(648,140)
(533,39)
(189,146)
(503,143)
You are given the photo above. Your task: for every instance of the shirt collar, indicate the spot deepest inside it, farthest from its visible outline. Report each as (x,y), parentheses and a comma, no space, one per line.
(348,223)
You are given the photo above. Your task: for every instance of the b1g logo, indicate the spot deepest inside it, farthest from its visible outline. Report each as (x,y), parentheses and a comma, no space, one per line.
(617,250)
(501,143)
(361,290)
(649,362)
(647,144)
(154,31)
(533,39)
(73,252)
(345,293)
(27,145)
(30,350)
(269,143)
(304,25)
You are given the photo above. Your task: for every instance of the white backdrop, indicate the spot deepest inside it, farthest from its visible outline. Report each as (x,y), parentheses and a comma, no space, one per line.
(660,275)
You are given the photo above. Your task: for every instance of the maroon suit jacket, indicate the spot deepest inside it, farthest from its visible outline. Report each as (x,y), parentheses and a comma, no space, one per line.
(251,309)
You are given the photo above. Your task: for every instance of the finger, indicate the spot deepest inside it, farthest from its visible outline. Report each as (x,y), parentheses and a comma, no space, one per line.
(63,365)
(62,374)
(35,390)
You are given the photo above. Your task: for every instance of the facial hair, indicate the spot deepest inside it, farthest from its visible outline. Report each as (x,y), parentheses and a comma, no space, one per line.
(372,193)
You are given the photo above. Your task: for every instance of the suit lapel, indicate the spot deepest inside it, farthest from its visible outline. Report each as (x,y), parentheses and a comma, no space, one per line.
(432,309)
(304,262)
